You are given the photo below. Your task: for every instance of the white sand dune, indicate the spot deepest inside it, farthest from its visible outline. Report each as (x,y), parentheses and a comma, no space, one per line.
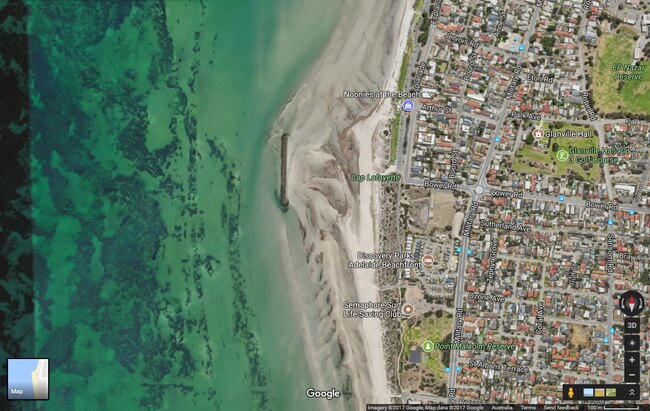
(331,138)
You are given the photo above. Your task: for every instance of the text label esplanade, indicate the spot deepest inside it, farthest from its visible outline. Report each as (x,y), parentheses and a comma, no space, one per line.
(435,14)
(418,77)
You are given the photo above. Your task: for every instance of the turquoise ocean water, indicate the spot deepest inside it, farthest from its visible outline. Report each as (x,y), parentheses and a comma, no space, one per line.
(158,276)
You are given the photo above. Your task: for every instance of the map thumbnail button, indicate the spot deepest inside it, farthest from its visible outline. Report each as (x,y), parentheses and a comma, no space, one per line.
(28,379)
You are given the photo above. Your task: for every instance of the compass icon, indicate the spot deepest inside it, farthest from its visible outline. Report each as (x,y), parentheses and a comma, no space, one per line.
(631,303)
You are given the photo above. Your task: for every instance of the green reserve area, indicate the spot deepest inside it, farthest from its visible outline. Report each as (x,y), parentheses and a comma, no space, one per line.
(433,328)
(619,86)
(541,157)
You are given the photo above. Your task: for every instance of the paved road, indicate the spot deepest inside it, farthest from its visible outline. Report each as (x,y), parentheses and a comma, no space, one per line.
(412,115)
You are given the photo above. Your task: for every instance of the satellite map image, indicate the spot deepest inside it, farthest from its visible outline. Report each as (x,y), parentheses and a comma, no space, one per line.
(342,205)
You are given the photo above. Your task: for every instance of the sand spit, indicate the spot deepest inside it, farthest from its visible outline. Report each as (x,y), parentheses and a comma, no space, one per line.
(331,138)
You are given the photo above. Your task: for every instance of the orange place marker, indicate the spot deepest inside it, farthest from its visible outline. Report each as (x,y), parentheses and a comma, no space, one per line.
(427,260)
(407,309)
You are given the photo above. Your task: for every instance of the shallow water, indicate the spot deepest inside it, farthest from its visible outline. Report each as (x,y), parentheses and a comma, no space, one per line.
(159,279)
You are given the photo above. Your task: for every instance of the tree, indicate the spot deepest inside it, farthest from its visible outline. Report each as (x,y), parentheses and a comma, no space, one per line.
(426,23)
(555,147)
(530,139)
(547,44)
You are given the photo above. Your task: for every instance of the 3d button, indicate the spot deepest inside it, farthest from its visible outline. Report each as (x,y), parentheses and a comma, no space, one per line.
(632,325)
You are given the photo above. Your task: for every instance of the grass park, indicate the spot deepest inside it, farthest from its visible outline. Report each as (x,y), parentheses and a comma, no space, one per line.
(434,329)
(630,96)
(540,158)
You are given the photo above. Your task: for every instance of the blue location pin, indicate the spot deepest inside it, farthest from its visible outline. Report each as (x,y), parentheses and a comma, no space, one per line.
(610,222)
(611,330)
(407,105)
(561,198)
(447,369)
(458,368)
(606,340)
(631,212)
(521,47)
(469,251)
(497,139)
(458,249)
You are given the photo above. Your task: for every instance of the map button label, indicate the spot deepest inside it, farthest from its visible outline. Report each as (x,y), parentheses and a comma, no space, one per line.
(632,325)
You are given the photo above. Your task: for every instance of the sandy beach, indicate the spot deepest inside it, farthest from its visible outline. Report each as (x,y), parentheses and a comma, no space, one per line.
(331,138)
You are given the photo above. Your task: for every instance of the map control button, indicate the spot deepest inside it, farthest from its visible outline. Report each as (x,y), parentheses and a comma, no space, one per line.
(28,379)
(632,325)
(631,303)
(631,342)
(632,367)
